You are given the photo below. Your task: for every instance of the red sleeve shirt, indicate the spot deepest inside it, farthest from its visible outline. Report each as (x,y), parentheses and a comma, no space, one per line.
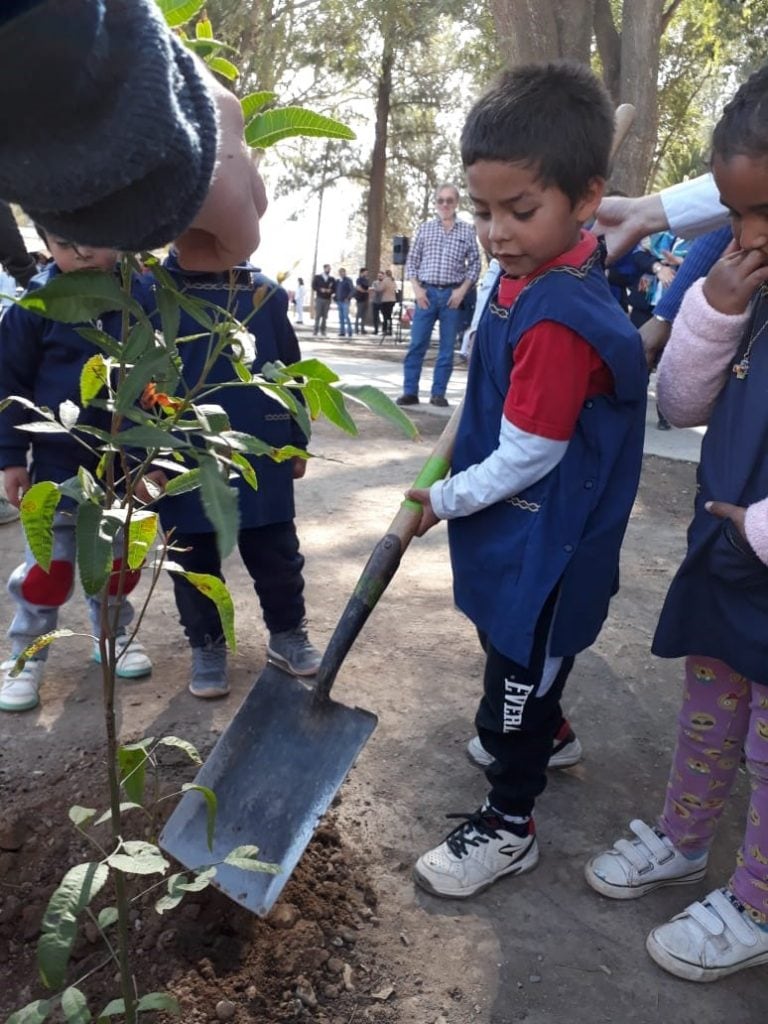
(554,373)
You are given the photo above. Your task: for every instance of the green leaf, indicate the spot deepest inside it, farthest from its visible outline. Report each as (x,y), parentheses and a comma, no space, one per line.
(141,537)
(331,404)
(223,67)
(211,807)
(183,745)
(311,369)
(254,101)
(94,548)
(112,1008)
(170,314)
(152,366)
(132,763)
(213,418)
(178,886)
(38,507)
(159,1001)
(89,488)
(140,341)
(247,471)
(42,427)
(179,12)
(215,589)
(380,404)
(80,816)
(107,917)
(80,295)
(75,891)
(75,1006)
(273,125)
(245,857)
(102,341)
(184,482)
(220,503)
(149,438)
(125,805)
(203,28)
(135,857)
(33,1013)
(69,414)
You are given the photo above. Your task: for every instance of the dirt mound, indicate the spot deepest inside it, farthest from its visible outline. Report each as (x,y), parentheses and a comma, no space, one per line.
(309,960)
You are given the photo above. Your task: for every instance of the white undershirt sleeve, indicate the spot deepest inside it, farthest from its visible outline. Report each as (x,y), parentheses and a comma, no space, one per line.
(519,461)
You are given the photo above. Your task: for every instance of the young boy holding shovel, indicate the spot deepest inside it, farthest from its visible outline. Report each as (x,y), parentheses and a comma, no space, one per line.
(548,451)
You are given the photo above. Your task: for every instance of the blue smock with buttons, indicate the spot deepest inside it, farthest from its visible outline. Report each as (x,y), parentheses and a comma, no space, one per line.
(567,528)
(249,409)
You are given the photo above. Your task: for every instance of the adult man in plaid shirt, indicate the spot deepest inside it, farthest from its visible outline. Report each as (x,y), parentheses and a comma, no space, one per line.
(443,264)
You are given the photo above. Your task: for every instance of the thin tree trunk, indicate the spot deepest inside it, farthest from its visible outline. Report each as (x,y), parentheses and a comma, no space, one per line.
(378,173)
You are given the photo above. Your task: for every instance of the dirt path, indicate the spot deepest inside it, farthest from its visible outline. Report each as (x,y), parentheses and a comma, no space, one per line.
(540,949)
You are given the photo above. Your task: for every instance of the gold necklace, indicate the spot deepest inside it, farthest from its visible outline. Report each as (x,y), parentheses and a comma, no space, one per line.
(741,369)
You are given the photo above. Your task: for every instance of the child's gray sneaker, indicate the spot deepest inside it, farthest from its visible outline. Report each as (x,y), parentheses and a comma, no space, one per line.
(636,866)
(209,671)
(293,652)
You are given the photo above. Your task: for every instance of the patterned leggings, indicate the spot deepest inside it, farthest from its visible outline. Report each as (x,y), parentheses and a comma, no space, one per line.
(722,713)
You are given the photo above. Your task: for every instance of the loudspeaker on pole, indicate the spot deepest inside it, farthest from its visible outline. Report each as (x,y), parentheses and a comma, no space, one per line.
(400,246)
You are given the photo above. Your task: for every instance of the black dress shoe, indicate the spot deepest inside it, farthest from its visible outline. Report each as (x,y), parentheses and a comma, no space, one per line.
(407,400)
(440,400)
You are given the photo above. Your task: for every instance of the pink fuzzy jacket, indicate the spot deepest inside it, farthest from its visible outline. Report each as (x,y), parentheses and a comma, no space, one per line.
(692,373)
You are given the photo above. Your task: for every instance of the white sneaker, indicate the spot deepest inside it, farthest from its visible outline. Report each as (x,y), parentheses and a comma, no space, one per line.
(8,512)
(475,855)
(637,866)
(709,940)
(132,659)
(20,693)
(566,752)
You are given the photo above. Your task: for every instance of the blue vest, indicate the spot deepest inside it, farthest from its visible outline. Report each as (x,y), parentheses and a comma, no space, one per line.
(249,409)
(717,604)
(566,528)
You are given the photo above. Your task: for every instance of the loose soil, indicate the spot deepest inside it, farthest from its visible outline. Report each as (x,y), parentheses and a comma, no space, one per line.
(351,940)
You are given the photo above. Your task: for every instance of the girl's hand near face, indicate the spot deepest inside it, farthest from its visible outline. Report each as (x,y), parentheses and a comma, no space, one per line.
(735,277)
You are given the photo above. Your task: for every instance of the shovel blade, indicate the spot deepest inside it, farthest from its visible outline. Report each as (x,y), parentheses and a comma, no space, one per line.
(275,770)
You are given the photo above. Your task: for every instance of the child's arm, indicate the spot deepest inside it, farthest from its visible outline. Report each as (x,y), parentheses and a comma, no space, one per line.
(540,414)
(19,356)
(705,338)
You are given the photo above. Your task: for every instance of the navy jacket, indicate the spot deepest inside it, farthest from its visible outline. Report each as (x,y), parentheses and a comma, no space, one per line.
(717,605)
(41,359)
(344,289)
(567,528)
(249,409)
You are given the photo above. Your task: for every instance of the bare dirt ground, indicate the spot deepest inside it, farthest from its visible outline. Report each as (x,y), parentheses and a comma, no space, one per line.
(352,940)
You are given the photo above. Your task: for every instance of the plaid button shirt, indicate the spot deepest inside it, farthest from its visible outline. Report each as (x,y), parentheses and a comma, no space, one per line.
(444,257)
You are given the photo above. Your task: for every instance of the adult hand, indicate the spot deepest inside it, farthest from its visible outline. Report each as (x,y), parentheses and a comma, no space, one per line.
(421,297)
(732,281)
(457,297)
(428,517)
(724,510)
(17,483)
(226,229)
(655,335)
(623,221)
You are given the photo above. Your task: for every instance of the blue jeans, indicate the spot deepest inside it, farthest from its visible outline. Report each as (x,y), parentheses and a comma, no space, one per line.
(345,327)
(421,332)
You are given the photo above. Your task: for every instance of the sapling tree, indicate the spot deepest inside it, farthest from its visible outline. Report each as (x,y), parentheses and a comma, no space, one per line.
(152,420)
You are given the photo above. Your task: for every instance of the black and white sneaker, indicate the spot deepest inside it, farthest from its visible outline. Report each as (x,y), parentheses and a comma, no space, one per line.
(566,751)
(474,855)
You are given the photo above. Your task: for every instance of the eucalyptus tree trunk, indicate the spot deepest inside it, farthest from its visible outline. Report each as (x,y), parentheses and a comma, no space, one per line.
(377,181)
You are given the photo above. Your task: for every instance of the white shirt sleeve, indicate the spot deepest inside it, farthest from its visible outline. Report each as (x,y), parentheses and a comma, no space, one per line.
(519,461)
(693,207)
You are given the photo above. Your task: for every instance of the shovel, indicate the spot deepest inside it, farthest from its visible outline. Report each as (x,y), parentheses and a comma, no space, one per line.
(278,765)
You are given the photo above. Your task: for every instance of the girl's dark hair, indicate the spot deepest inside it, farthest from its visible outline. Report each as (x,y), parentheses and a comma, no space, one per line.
(743,127)
(557,118)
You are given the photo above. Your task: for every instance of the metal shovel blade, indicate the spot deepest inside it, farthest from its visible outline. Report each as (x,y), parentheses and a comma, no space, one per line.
(275,770)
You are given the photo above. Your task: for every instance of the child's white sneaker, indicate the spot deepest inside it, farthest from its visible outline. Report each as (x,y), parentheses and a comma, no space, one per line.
(20,693)
(132,658)
(477,853)
(567,750)
(709,940)
(636,866)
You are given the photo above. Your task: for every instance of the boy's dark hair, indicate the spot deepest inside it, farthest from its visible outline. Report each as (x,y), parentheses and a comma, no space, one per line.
(556,118)
(743,127)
